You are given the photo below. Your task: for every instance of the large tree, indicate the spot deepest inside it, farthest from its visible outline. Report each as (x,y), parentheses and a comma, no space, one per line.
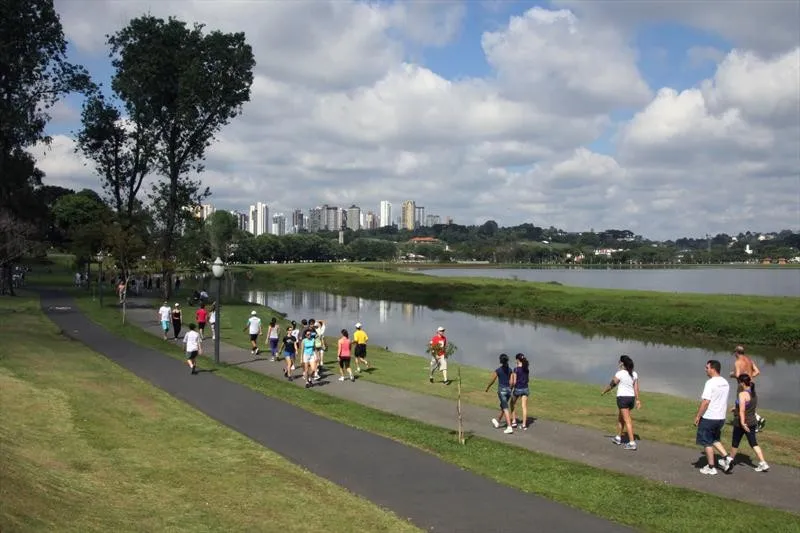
(34,74)
(182,85)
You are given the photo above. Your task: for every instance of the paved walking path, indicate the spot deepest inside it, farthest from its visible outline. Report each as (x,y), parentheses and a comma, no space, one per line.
(433,494)
(665,463)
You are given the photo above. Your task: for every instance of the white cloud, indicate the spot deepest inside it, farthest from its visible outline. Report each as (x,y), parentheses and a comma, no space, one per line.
(340,112)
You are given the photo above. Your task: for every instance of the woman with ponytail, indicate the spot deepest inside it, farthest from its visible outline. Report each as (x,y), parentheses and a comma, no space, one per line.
(627,383)
(745,423)
(503,375)
(520,389)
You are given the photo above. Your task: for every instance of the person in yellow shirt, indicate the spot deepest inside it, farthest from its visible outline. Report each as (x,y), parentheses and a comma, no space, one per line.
(360,339)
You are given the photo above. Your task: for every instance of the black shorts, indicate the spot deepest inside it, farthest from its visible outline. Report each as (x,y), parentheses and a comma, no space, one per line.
(191,355)
(201,325)
(344,362)
(626,402)
(360,350)
(739,432)
(253,337)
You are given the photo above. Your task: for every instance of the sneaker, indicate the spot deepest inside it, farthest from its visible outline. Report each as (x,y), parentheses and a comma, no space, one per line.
(341,378)
(272,359)
(508,431)
(308,384)
(617,439)
(352,379)
(630,446)
(514,424)
(495,423)
(708,470)
(292,367)
(524,428)
(762,467)
(429,379)
(760,424)
(725,463)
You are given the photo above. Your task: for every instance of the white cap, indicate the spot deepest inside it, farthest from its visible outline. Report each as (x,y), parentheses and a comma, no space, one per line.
(252,313)
(358,325)
(440,328)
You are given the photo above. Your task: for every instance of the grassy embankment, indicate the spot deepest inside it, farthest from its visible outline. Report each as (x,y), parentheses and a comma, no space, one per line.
(747,319)
(658,507)
(87,446)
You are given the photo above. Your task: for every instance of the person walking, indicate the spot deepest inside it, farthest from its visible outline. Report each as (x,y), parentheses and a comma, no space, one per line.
(520,389)
(320,345)
(502,375)
(308,358)
(710,418)
(438,350)
(743,364)
(177,319)
(253,327)
(201,315)
(164,315)
(194,346)
(273,336)
(745,423)
(212,319)
(627,383)
(289,352)
(343,354)
(360,339)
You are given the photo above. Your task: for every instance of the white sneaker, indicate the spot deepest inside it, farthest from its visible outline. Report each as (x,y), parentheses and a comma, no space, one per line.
(495,423)
(725,463)
(617,439)
(708,470)
(341,378)
(508,431)
(762,467)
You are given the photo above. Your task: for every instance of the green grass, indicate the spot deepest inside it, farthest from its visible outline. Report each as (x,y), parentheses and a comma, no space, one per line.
(656,507)
(664,418)
(769,321)
(86,446)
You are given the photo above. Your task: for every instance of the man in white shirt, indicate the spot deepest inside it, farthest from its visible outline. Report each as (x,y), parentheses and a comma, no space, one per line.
(194,347)
(164,317)
(710,418)
(254,328)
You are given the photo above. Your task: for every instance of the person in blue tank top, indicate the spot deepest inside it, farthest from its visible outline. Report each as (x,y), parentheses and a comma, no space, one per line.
(520,390)
(502,375)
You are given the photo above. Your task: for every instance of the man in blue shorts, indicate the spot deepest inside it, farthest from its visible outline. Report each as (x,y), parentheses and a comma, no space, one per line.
(710,418)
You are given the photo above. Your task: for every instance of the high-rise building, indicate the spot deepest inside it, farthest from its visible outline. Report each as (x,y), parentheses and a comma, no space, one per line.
(432,220)
(407,213)
(252,219)
(259,219)
(354,218)
(331,218)
(206,210)
(279,224)
(298,221)
(241,220)
(419,216)
(385,213)
(370,220)
(315,219)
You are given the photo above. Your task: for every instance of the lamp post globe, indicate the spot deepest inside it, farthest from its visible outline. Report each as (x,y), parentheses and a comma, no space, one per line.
(218,269)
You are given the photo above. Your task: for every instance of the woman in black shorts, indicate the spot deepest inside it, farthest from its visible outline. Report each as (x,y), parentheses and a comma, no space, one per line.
(744,422)
(627,383)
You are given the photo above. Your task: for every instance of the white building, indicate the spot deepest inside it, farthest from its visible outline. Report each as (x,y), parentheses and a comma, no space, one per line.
(385,213)
(258,215)
(279,224)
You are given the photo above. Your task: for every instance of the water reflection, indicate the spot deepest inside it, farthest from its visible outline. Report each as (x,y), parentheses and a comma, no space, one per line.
(556,353)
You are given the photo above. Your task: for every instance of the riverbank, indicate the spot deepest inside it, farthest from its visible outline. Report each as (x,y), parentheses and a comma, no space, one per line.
(768,321)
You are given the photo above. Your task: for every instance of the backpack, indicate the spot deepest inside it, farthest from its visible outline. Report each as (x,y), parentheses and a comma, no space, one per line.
(317,343)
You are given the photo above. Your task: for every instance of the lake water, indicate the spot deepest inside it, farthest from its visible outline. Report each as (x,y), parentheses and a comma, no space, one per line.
(556,353)
(759,281)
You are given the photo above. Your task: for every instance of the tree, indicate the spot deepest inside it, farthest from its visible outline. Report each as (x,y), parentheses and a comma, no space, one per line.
(84,219)
(221,227)
(17,238)
(182,86)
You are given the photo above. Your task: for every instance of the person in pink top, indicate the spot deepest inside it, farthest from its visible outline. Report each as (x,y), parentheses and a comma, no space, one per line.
(201,315)
(343,354)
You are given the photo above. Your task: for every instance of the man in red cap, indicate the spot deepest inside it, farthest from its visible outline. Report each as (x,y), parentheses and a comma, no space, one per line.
(438,349)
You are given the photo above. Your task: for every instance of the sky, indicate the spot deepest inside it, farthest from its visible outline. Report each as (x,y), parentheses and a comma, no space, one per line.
(668,118)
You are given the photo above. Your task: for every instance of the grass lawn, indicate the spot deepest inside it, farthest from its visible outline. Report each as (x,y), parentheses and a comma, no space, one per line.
(657,507)
(87,446)
(663,418)
(730,318)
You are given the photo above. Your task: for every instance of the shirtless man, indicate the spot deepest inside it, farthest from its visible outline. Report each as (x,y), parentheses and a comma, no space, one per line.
(742,364)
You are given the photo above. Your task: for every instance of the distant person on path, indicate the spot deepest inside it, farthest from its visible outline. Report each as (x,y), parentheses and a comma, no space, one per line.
(194,347)
(710,418)
(744,421)
(164,313)
(273,337)
(360,339)
(321,345)
(627,383)
(343,354)
(177,319)
(438,349)
(296,334)
(308,358)
(201,315)
(253,327)
(520,389)
(212,319)
(502,375)
(743,364)
(289,352)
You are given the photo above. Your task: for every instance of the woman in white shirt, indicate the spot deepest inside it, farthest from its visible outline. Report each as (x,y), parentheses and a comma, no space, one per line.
(627,383)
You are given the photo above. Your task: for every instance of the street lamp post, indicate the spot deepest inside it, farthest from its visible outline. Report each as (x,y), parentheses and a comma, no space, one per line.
(100,257)
(218,269)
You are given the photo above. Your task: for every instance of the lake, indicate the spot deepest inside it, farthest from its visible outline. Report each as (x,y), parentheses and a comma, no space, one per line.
(556,353)
(757,281)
